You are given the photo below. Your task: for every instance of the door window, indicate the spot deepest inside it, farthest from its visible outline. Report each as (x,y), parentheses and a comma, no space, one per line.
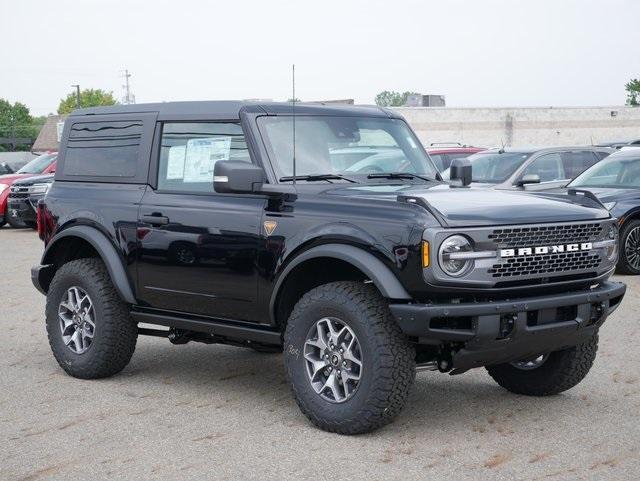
(190,150)
(548,167)
(575,163)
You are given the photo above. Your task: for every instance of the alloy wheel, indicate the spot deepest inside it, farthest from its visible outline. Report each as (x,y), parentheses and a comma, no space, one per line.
(333,360)
(77,320)
(530,364)
(632,248)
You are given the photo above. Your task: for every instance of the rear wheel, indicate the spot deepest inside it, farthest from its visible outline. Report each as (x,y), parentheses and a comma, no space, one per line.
(89,327)
(350,367)
(547,374)
(629,262)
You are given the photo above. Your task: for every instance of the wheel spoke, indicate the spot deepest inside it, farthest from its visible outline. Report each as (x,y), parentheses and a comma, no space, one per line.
(332,384)
(87,332)
(349,375)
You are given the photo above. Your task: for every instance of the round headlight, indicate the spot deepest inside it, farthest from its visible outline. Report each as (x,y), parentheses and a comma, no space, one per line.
(450,262)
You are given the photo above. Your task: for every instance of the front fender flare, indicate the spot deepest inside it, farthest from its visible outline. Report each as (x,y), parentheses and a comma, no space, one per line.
(382,277)
(107,252)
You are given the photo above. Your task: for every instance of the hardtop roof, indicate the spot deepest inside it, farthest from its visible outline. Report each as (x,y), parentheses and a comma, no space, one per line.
(230,109)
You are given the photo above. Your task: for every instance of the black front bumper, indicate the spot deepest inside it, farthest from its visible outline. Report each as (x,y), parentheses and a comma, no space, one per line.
(21,210)
(485,333)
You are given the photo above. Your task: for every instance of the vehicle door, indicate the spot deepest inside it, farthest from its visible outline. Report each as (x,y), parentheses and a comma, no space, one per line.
(197,248)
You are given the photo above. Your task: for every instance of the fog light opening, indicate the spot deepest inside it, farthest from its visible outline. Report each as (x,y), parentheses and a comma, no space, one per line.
(507,324)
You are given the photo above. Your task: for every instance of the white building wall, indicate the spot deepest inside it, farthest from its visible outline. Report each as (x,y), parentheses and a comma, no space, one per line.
(523,126)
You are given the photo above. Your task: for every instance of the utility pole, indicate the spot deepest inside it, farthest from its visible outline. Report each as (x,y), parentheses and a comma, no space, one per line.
(129,98)
(77,95)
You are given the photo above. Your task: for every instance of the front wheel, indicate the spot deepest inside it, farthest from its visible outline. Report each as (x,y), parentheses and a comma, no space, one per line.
(350,367)
(547,374)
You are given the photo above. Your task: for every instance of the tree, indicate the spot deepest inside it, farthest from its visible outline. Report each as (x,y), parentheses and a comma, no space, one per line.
(633,92)
(391,98)
(16,122)
(88,98)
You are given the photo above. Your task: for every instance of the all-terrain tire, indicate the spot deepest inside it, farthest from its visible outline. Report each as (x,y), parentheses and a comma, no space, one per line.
(388,358)
(115,332)
(561,371)
(624,266)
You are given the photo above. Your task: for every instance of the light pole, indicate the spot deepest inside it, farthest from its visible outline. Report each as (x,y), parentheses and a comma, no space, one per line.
(77,95)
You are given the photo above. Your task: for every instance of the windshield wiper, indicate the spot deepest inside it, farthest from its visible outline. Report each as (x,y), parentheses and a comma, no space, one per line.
(314,177)
(398,175)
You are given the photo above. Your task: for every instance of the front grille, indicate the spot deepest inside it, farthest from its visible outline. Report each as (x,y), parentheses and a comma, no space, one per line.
(18,192)
(546,235)
(546,264)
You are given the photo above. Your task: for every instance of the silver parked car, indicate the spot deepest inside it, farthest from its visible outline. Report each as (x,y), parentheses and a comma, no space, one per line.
(532,168)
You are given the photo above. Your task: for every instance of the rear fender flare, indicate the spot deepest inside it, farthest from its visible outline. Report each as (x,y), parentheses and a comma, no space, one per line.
(107,252)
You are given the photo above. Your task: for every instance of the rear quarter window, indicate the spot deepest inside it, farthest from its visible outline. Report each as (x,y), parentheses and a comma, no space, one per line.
(103,149)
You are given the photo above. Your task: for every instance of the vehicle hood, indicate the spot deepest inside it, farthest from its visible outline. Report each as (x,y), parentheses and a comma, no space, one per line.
(35,179)
(465,207)
(9,179)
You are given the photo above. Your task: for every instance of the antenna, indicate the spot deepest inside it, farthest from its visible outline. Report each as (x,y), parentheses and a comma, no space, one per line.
(293,108)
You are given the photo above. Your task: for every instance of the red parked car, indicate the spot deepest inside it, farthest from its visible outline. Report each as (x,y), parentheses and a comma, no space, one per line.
(44,164)
(443,154)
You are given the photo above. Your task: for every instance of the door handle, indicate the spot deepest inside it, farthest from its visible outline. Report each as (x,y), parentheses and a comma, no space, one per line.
(155,219)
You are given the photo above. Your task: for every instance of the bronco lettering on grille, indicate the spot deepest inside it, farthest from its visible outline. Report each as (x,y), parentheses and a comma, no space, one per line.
(542,250)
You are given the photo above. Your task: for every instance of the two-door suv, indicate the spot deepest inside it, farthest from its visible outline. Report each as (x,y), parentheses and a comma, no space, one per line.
(248,224)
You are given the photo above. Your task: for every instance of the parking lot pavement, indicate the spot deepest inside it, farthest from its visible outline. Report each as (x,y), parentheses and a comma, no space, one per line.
(218,412)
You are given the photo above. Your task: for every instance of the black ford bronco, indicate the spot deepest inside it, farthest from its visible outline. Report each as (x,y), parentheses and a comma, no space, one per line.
(355,259)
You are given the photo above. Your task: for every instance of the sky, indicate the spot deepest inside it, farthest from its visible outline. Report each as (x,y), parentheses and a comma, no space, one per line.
(478,53)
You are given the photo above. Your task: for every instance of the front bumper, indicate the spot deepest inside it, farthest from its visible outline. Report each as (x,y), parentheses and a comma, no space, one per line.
(21,209)
(486,333)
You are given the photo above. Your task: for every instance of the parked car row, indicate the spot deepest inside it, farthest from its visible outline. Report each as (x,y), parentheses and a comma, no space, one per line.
(44,164)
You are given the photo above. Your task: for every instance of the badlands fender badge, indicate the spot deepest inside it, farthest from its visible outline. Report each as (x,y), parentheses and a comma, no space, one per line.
(541,250)
(269,226)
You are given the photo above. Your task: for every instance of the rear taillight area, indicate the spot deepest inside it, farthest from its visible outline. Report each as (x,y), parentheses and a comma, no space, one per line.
(45,221)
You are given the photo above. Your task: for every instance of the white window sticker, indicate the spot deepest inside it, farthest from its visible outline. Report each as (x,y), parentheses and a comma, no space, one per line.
(202,155)
(175,163)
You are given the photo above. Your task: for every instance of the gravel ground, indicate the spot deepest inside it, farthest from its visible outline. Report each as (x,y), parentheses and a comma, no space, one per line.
(218,412)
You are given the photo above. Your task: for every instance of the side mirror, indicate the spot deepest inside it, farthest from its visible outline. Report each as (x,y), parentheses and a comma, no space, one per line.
(528,179)
(461,170)
(237,177)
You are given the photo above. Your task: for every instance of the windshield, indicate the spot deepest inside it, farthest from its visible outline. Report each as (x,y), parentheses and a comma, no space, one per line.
(611,172)
(350,146)
(38,165)
(494,167)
